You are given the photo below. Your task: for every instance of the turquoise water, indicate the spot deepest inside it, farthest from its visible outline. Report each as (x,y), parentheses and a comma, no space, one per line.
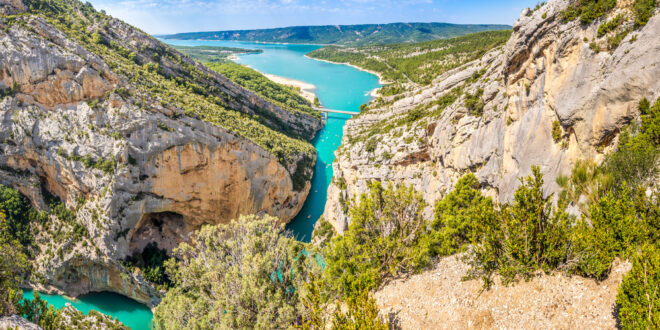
(131,313)
(339,87)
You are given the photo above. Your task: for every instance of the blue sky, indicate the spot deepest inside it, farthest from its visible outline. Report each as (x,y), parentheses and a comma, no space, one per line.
(170,16)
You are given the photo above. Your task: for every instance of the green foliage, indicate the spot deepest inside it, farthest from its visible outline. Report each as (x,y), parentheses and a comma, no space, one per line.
(588,10)
(386,236)
(371,145)
(214,53)
(556,131)
(615,227)
(634,161)
(152,263)
(362,313)
(418,62)
(639,294)
(13,265)
(458,213)
(19,214)
(284,96)
(244,274)
(474,102)
(643,10)
(40,312)
(610,25)
(524,237)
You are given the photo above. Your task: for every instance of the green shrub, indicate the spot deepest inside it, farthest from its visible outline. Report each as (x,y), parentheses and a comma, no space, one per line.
(458,213)
(243,274)
(152,263)
(588,10)
(639,294)
(611,25)
(556,131)
(474,103)
(643,10)
(386,236)
(362,313)
(613,229)
(526,236)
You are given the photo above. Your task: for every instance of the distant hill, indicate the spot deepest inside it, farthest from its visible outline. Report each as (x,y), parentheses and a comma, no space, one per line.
(355,35)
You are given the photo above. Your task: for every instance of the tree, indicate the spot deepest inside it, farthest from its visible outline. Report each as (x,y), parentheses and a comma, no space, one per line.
(387,235)
(458,212)
(244,274)
(639,294)
(13,265)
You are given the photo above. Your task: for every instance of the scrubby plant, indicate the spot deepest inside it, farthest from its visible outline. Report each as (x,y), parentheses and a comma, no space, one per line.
(639,294)
(244,274)
(556,131)
(458,214)
(527,235)
(386,236)
(474,103)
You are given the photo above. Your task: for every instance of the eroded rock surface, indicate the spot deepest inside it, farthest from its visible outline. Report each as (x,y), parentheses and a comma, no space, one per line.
(547,72)
(134,169)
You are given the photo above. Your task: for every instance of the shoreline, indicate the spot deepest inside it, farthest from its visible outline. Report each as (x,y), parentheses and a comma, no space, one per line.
(373,93)
(307,90)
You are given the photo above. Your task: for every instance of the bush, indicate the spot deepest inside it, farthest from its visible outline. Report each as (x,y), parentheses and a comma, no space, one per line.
(556,131)
(13,265)
(588,10)
(386,236)
(643,10)
(362,313)
(525,237)
(244,274)
(458,213)
(152,263)
(614,229)
(474,103)
(639,294)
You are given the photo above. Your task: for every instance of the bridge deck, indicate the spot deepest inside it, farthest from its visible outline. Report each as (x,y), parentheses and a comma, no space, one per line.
(336,111)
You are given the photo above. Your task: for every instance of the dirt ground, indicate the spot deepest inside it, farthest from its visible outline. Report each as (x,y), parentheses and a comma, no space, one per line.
(438,299)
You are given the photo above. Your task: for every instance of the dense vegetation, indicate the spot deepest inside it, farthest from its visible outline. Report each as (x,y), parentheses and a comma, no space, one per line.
(419,63)
(214,53)
(241,275)
(160,75)
(366,34)
(616,29)
(283,96)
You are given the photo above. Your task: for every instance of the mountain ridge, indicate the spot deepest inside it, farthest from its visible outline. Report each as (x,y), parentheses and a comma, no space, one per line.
(359,34)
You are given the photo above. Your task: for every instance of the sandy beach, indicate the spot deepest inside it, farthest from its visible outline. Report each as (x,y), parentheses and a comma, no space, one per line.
(306,90)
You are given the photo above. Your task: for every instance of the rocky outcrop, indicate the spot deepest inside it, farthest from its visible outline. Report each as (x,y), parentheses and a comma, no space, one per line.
(547,72)
(17,322)
(134,168)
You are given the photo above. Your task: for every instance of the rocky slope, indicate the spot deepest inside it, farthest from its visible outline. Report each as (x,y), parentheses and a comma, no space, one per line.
(495,116)
(142,143)
(440,299)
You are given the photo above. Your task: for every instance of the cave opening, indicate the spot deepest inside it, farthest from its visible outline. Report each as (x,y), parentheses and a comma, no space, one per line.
(162,229)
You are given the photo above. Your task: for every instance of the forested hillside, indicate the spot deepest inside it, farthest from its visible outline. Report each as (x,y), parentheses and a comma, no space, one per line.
(404,66)
(367,34)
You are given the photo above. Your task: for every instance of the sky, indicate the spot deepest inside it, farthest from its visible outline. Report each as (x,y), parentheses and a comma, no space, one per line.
(172,16)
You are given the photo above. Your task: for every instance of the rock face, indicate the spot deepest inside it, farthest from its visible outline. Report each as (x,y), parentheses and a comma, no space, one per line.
(547,72)
(134,168)
(17,322)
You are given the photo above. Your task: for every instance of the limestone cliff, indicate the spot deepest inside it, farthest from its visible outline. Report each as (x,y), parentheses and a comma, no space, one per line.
(495,116)
(142,143)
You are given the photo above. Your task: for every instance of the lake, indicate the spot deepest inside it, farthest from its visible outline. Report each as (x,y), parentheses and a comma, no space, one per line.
(338,87)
